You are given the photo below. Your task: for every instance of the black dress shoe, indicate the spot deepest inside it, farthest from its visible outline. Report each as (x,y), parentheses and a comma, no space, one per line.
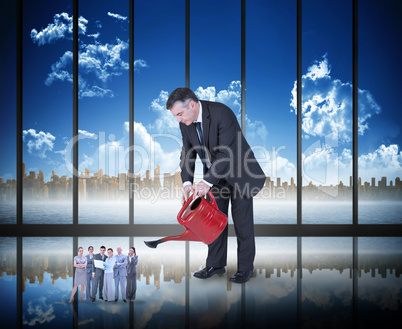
(241,277)
(115,300)
(209,271)
(101,298)
(124,301)
(93,300)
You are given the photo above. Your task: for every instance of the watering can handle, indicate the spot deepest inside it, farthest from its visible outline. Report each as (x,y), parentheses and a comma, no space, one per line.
(191,199)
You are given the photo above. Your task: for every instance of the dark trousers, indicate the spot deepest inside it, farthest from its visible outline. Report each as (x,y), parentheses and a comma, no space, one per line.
(242,213)
(98,280)
(131,286)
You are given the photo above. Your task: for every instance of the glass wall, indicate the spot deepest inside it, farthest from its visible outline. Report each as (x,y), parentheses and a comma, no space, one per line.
(8,282)
(270,123)
(103,111)
(327,285)
(8,65)
(380,120)
(326,111)
(159,68)
(47,282)
(271,296)
(380,281)
(47,111)
(215,46)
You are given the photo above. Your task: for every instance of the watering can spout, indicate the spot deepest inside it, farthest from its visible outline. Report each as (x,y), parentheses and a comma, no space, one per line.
(153,244)
(185,236)
(202,220)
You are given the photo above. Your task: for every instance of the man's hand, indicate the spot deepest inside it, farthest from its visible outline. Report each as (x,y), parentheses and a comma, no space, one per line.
(201,189)
(186,192)
(93,275)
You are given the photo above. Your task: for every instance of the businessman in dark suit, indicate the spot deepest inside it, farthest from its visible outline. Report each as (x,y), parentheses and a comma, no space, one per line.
(98,274)
(231,172)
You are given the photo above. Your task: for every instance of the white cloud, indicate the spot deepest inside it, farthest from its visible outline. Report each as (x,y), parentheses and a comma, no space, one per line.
(384,161)
(326,165)
(98,62)
(148,152)
(94,35)
(38,312)
(86,162)
(86,134)
(230,97)
(96,91)
(38,143)
(139,63)
(117,16)
(165,121)
(60,69)
(61,27)
(327,104)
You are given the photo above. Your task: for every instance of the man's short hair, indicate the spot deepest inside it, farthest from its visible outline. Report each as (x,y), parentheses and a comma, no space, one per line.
(102,247)
(180,95)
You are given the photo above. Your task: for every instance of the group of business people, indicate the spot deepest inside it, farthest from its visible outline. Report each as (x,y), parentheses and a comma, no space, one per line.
(122,268)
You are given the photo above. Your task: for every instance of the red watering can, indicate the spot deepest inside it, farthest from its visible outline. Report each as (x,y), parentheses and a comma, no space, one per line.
(202,219)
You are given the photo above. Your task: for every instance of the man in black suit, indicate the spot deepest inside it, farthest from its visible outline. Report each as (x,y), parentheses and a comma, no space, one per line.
(97,274)
(231,172)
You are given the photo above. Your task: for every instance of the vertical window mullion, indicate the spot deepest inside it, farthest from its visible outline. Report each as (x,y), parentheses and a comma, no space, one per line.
(299,112)
(75,112)
(355,114)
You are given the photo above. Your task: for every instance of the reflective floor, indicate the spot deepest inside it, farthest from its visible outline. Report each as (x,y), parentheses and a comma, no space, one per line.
(327,295)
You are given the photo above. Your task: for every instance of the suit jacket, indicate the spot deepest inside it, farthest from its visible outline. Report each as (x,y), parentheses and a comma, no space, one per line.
(120,269)
(232,159)
(90,262)
(132,266)
(98,271)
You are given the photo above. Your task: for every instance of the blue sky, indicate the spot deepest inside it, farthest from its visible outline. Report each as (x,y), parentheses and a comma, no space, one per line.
(215,75)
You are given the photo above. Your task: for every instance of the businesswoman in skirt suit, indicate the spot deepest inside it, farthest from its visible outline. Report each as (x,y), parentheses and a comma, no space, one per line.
(80,278)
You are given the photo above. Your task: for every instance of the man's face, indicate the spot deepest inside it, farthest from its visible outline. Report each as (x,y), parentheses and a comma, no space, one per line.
(119,251)
(102,251)
(185,114)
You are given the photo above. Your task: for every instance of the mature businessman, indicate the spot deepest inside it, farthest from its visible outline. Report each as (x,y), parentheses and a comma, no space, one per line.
(120,273)
(98,274)
(231,172)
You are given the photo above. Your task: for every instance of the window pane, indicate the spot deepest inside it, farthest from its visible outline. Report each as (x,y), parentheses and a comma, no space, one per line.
(161,287)
(380,281)
(8,282)
(8,96)
(215,56)
(48,281)
(271,123)
(327,285)
(103,111)
(160,68)
(327,112)
(271,296)
(380,120)
(47,111)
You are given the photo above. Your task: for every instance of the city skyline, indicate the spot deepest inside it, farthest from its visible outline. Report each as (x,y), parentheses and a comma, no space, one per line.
(60,267)
(112,187)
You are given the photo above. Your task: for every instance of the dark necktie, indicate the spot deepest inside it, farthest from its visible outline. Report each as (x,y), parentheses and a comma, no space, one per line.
(198,126)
